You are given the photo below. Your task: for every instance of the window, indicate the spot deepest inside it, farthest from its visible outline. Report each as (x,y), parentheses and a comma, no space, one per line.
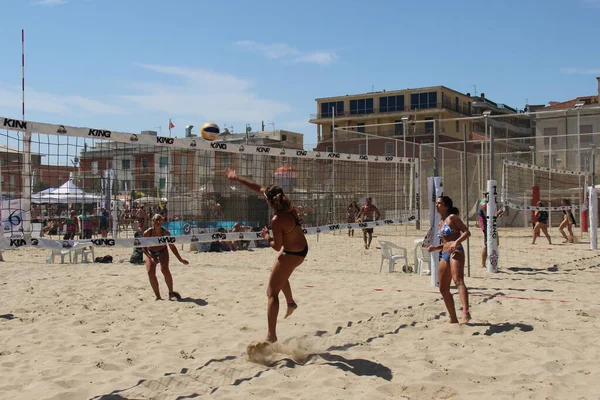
(361,106)
(420,101)
(360,127)
(11,180)
(109,164)
(144,184)
(125,164)
(163,162)
(586,137)
(548,139)
(586,165)
(162,183)
(327,109)
(183,162)
(294,139)
(429,125)
(144,163)
(362,149)
(389,148)
(329,149)
(398,128)
(94,167)
(391,103)
(283,138)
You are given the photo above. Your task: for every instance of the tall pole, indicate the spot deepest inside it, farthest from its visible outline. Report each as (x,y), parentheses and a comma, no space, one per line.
(396,183)
(332,215)
(436,146)
(492,169)
(466,191)
(26,173)
(403,165)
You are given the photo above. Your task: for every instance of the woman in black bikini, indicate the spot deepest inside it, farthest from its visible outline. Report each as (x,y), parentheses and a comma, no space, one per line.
(542,223)
(160,255)
(288,239)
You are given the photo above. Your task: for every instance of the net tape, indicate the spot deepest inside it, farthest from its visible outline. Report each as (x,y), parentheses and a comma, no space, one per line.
(189,143)
(545,169)
(13,243)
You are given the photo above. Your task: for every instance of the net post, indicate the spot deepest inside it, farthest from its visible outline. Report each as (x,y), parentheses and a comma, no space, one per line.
(593,213)
(492,228)
(435,188)
(466,195)
(491,213)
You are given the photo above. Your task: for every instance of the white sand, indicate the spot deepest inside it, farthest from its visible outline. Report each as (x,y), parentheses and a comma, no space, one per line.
(95,331)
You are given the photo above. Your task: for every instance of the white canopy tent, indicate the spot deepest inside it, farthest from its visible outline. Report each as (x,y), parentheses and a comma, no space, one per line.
(68,192)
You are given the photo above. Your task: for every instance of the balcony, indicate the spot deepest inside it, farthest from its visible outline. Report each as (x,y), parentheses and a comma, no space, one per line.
(143,171)
(388,111)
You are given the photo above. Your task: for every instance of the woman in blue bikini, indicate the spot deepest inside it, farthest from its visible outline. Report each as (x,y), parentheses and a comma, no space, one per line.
(451,267)
(288,239)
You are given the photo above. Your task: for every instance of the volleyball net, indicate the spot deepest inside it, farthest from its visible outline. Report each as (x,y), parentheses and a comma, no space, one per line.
(117,181)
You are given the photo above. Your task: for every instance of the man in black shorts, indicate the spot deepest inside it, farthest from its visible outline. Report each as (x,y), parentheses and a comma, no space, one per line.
(368,212)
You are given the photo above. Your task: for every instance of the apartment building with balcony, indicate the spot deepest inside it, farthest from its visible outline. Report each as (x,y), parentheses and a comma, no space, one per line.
(357,112)
(566,131)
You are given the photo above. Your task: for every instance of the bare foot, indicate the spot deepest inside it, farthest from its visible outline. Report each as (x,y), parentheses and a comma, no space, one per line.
(466,317)
(158,298)
(271,339)
(290,309)
(453,321)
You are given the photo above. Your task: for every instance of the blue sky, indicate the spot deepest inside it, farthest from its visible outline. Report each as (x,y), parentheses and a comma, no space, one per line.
(130,65)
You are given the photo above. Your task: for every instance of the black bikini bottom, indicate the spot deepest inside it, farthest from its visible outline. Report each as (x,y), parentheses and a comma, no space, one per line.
(301,253)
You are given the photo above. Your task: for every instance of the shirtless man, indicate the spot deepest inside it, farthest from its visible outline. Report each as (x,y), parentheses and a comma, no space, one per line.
(160,255)
(368,212)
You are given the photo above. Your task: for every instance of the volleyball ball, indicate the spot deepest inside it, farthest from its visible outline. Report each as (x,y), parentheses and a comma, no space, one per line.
(210,131)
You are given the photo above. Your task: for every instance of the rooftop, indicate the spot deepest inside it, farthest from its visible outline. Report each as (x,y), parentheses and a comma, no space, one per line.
(391,92)
(556,105)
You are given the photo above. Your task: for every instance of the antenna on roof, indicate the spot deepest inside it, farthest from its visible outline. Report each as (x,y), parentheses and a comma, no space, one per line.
(474,90)
(372,88)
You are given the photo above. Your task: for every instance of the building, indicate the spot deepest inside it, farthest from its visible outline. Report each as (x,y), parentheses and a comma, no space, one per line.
(358,112)
(566,130)
(509,122)
(43,176)
(160,171)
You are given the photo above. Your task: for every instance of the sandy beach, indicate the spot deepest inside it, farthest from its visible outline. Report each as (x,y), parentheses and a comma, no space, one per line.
(94,331)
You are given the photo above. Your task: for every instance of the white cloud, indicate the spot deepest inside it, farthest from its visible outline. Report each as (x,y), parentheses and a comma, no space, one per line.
(10,96)
(51,2)
(580,71)
(286,52)
(203,93)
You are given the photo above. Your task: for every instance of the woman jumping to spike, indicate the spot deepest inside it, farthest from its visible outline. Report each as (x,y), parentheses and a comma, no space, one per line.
(452,265)
(288,239)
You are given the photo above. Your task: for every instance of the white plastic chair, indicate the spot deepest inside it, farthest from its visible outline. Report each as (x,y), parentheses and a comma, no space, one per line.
(387,253)
(424,258)
(84,253)
(36,229)
(62,254)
